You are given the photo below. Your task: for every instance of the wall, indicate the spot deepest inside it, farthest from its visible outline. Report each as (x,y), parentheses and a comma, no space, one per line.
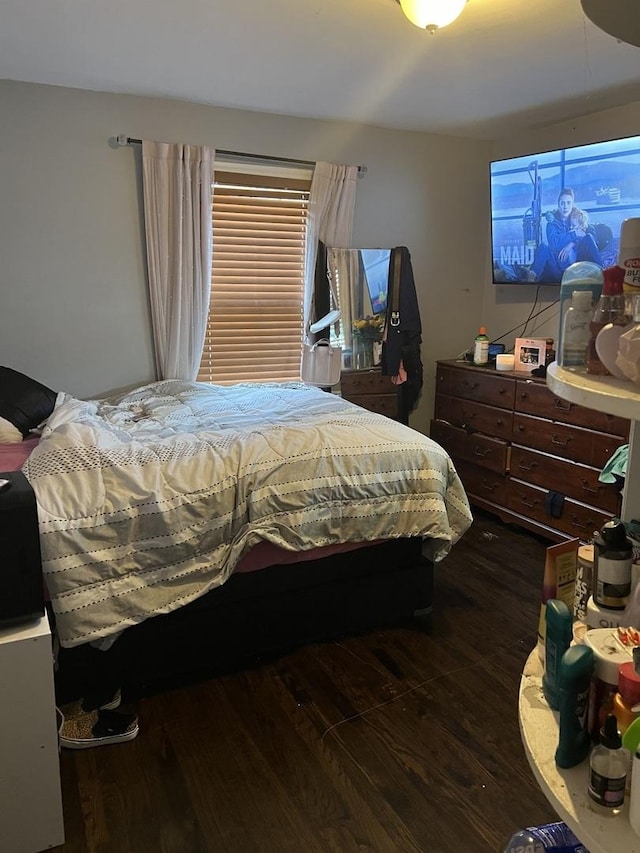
(74,310)
(504,307)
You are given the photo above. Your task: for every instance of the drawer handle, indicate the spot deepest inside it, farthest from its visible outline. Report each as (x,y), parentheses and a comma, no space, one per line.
(586,488)
(499,422)
(530,504)
(478,451)
(563,405)
(579,524)
(488,487)
(472,385)
(524,467)
(559,441)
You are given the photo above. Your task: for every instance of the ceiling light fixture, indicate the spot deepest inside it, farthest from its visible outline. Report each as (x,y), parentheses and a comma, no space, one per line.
(432,14)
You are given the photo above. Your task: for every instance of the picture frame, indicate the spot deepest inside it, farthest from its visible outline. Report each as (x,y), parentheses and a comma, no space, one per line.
(529,353)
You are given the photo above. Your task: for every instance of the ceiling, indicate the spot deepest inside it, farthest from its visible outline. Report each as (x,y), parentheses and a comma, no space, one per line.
(502,67)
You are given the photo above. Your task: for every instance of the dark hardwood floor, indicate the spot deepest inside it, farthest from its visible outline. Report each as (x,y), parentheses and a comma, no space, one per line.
(393,741)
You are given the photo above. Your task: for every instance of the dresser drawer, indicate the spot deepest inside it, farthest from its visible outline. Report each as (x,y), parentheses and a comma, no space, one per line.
(536,399)
(476,417)
(383,404)
(365,382)
(481,483)
(568,478)
(481,450)
(576,519)
(484,388)
(569,442)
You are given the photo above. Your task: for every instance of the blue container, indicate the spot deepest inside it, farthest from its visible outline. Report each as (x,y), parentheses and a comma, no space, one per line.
(547,838)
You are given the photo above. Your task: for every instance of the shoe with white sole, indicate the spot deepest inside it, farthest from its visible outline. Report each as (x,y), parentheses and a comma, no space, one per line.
(97,728)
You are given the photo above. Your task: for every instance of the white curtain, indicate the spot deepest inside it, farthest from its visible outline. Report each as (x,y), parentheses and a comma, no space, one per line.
(332,202)
(177,212)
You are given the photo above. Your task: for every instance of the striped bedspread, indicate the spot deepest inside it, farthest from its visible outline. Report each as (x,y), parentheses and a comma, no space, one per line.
(148,499)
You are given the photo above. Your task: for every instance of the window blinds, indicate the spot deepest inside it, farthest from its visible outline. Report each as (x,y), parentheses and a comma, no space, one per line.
(254,330)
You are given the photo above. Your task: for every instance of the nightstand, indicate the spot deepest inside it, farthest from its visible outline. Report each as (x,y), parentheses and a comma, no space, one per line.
(371,390)
(31,816)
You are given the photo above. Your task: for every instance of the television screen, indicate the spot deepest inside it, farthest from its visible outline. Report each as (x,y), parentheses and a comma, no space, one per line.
(552,209)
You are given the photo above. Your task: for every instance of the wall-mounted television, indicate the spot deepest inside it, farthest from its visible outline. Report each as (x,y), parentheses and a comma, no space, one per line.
(552,209)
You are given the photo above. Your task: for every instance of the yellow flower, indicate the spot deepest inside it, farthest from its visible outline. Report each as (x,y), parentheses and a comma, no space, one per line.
(369,327)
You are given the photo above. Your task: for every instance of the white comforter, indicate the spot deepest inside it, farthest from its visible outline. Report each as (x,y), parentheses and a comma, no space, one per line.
(148,499)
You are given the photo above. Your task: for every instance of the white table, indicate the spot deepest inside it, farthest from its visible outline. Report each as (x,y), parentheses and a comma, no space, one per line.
(566,790)
(31,817)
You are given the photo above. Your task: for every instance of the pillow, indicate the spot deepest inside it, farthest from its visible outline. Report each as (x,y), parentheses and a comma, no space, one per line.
(8,433)
(24,402)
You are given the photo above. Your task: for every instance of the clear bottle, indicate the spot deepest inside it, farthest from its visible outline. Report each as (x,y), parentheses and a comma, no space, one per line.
(610,308)
(577,330)
(608,770)
(481,347)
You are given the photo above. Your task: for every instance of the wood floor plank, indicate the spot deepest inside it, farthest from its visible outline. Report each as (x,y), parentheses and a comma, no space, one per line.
(397,741)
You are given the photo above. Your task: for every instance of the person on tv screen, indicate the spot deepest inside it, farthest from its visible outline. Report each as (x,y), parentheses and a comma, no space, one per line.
(568,240)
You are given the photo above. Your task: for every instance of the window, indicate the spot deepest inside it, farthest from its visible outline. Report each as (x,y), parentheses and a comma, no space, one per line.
(254,330)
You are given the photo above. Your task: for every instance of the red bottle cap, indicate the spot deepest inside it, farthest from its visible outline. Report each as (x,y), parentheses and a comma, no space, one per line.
(629,683)
(613,281)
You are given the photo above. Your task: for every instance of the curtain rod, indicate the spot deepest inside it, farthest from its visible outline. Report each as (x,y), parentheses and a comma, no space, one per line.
(129,140)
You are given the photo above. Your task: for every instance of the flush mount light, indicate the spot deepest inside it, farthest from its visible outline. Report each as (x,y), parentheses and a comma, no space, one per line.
(432,14)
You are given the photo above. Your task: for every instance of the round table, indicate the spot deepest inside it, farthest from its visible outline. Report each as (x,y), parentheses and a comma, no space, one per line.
(566,790)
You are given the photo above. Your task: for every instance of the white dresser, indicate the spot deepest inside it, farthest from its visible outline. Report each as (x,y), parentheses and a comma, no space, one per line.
(31,817)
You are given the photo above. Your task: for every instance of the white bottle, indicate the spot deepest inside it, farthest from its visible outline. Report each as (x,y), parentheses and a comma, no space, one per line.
(576,333)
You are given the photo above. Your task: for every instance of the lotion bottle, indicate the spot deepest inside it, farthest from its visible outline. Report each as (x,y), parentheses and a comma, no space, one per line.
(577,330)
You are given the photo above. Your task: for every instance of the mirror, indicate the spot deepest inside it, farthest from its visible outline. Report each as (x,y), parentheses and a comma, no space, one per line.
(361,280)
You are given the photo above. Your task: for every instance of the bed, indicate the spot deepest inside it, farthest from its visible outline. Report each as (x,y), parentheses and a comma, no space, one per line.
(187,529)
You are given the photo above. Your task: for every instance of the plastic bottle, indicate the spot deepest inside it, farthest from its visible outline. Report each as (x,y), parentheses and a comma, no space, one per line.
(548,836)
(613,558)
(583,275)
(608,770)
(610,308)
(629,254)
(577,329)
(628,696)
(481,347)
(557,639)
(574,681)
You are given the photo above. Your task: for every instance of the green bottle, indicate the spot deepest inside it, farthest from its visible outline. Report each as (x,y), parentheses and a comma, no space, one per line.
(558,637)
(574,680)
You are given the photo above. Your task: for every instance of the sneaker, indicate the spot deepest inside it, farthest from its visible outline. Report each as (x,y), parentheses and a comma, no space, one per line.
(82,706)
(97,728)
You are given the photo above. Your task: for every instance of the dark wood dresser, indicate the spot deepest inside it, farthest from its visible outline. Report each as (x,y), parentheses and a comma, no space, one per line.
(524,453)
(371,390)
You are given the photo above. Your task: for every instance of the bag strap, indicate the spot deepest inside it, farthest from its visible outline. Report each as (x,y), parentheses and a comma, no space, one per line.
(395,289)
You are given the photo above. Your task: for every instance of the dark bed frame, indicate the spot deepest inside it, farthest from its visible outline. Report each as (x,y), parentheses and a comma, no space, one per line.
(256,616)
